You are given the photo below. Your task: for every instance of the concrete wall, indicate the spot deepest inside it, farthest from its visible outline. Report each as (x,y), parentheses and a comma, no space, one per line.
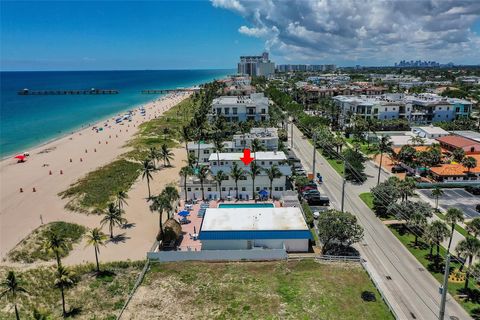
(219,255)
(224,244)
(296,245)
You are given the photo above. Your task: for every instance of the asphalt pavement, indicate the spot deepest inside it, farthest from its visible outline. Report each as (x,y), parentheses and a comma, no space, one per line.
(411,291)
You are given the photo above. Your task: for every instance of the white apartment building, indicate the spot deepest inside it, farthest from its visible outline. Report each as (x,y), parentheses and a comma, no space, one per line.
(268,137)
(241,108)
(256,65)
(422,108)
(224,162)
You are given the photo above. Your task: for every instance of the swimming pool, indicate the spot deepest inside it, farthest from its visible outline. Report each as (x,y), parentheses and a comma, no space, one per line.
(246,205)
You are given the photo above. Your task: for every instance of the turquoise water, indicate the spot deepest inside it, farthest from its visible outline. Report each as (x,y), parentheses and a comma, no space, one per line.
(27,121)
(246,205)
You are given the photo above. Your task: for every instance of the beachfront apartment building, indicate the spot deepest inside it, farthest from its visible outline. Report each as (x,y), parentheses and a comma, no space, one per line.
(423,108)
(268,138)
(253,107)
(225,161)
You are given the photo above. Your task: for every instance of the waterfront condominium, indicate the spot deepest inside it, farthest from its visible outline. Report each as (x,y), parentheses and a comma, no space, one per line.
(252,107)
(256,65)
(420,108)
(225,162)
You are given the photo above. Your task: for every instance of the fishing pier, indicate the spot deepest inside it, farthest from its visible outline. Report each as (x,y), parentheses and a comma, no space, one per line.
(93,91)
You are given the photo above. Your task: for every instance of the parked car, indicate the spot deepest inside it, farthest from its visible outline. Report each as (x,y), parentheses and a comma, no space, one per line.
(398,169)
(310,193)
(475,190)
(316,215)
(300,172)
(307,187)
(318,200)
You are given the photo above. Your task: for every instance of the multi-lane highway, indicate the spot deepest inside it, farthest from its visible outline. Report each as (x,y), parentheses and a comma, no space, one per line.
(412,291)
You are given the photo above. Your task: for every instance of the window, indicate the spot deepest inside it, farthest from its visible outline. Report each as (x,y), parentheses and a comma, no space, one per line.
(280,188)
(270,163)
(276,188)
(219,110)
(244,189)
(243,178)
(385,109)
(257,188)
(263,162)
(234,110)
(189,189)
(223,188)
(221,163)
(206,151)
(393,109)
(263,110)
(439,108)
(209,189)
(448,108)
(214,163)
(227,110)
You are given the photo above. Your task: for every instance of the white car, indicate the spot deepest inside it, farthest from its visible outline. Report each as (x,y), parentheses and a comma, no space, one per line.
(316,215)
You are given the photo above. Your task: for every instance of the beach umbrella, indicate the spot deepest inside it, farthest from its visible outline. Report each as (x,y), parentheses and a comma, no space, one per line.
(20,157)
(263,193)
(183,213)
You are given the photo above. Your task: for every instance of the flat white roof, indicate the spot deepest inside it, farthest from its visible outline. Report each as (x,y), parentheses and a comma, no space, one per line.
(260,155)
(432,130)
(253,219)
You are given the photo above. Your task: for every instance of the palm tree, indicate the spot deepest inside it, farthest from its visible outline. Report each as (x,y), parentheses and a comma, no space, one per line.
(161,204)
(384,145)
(147,173)
(469,247)
(171,194)
(166,155)
(458,154)
(452,217)
(255,170)
(153,155)
(12,287)
(96,238)
(63,280)
(191,160)
(121,199)
(436,232)
(406,188)
(416,140)
(273,173)
(218,147)
(185,172)
(437,192)
(257,146)
(202,175)
(113,217)
(237,173)
(186,136)
(417,222)
(469,163)
(473,226)
(55,243)
(219,177)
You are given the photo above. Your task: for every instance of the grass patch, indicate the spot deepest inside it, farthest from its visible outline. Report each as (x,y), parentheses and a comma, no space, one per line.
(336,164)
(94,297)
(436,268)
(30,249)
(367,197)
(257,290)
(93,192)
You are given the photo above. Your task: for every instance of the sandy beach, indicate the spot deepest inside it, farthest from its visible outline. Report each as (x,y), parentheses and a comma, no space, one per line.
(52,167)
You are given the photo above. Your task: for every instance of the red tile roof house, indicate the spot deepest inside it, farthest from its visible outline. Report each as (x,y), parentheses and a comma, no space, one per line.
(456,172)
(453,142)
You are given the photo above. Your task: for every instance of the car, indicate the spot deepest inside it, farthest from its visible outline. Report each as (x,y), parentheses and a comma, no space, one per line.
(310,193)
(300,172)
(316,215)
(398,169)
(318,200)
(306,188)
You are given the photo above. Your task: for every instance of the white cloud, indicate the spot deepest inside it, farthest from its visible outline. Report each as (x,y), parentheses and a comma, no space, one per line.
(374,31)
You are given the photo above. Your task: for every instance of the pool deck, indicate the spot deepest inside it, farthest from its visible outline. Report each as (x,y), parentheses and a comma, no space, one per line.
(189,243)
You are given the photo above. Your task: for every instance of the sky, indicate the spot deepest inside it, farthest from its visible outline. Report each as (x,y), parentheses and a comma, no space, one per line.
(110,35)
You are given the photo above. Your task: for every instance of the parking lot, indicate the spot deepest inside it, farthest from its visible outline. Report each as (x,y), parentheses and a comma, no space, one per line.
(458,198)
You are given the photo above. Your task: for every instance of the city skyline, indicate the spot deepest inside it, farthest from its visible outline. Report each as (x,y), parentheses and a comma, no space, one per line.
(213,34)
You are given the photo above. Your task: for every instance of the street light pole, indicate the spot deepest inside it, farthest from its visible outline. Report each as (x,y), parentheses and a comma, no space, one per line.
(444,288)
(343,185)
(314,153)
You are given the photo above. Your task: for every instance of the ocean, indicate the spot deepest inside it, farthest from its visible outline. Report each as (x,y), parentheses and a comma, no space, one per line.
(27,121)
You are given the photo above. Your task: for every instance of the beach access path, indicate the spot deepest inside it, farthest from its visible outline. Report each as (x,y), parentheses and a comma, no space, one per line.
(22,212)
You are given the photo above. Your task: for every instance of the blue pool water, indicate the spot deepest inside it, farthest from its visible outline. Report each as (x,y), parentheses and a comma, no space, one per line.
(27,121)
(246,205)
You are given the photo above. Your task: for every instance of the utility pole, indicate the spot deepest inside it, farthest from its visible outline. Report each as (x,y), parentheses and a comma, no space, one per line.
(343,184)
(444,288)
(291,133)
(314,153)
